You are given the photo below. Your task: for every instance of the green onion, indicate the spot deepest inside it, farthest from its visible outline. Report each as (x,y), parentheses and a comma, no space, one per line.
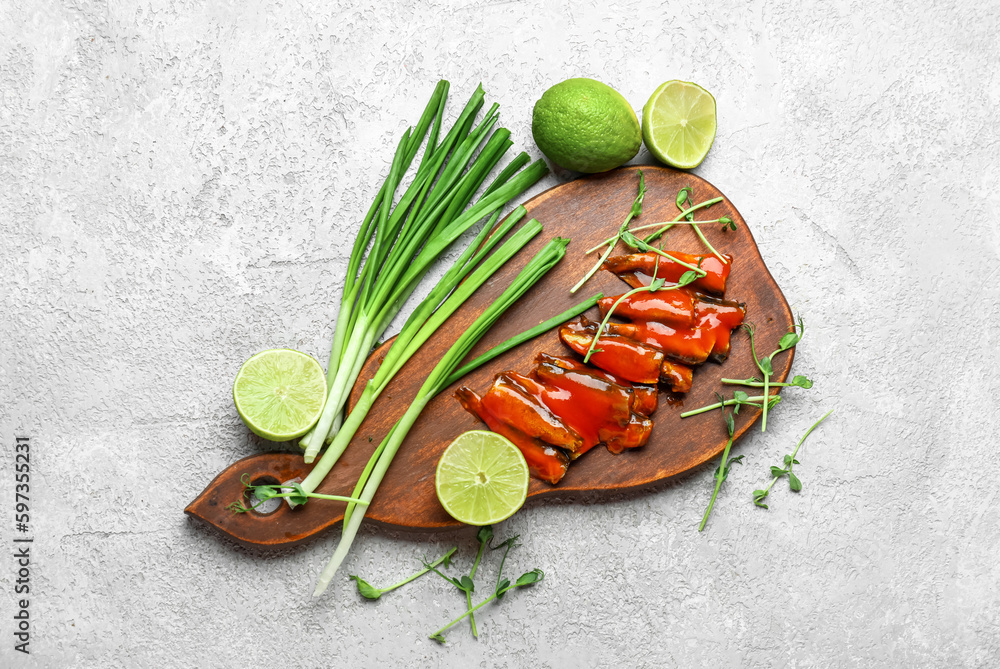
(418,329)
(397,243)
(438,380)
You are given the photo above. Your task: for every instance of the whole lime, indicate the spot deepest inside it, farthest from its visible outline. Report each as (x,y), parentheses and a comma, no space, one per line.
(584,125)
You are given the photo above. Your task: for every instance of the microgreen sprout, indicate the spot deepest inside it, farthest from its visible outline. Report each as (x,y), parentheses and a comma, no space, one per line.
(683,196)
(740,399)
(502,587)
(725,220)
(765,364)
(368,591)
(484,536)
(636,243)
(798,381)
(613,241)
(680,219)
(686,217)
(291,491)
(507,546)
(794,484)
(464,583)
(722,472)
(527,578)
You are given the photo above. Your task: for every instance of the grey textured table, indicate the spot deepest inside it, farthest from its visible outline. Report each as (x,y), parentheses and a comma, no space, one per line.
(179,184)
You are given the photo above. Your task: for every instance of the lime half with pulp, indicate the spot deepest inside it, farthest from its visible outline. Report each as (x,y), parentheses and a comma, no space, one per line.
(279,393)
(678,124)
(482,478)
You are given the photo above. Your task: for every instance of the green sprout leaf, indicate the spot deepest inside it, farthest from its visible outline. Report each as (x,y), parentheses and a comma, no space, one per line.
(765,364)
(801,382)
(687,277)
(777,472)
(527,578)
(485,534)
(503,585)
(792,338)
(298,495)
(366,589)
(637,203)
(633,241)
(683,197)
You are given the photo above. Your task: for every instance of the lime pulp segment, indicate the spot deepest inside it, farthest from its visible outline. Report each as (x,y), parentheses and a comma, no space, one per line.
(279,393)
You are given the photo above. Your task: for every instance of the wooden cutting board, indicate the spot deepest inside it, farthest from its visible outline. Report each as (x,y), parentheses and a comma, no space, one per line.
(587,211)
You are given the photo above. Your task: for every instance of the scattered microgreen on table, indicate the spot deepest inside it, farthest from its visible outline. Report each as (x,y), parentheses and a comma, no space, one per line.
(527,578)
(484,536)
(368,591)
(794,484)
(503,585)
(465,583)
(722,472)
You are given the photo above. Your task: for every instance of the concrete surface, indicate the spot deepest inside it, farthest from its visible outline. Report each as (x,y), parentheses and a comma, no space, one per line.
(179,185)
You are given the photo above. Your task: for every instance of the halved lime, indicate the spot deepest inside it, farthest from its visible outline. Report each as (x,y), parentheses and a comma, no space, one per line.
(481,478)
(279,393)
(678,124)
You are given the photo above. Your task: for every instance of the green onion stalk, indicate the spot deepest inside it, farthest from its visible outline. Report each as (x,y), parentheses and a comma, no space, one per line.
(397,243)
(440,378)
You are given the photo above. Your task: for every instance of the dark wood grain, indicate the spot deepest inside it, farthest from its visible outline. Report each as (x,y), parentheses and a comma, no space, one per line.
(587,211)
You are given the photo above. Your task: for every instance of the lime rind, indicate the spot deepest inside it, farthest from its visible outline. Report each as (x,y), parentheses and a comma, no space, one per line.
(481,478)
(679,124)
(280,393)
